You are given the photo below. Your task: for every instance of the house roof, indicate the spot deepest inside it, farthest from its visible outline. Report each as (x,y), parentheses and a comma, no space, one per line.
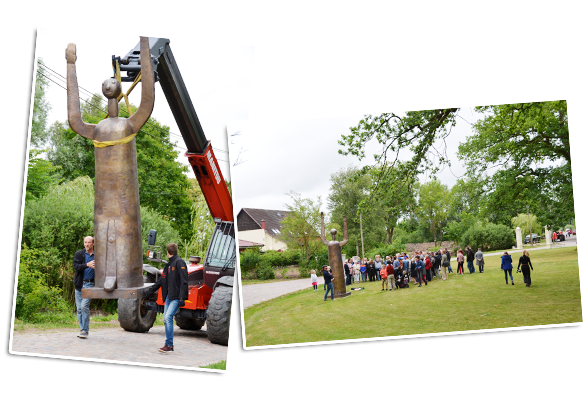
(247,244)
(272,219)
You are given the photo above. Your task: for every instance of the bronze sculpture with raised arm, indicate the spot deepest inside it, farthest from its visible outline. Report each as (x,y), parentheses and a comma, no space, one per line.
(335,258)
(118,237)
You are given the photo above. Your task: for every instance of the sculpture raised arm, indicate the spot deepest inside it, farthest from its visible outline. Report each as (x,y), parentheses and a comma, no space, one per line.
(138,119)
(323,231)
(73,106)
(343,242)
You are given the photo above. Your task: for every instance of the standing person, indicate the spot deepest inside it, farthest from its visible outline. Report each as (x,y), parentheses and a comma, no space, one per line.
(323,270)
(397,265)
(384,281)
(525,262)
(371,270)
(405,264)
(428,267)
(444,265)
(391,277)
(470,257)
(314,280)
(363,271)
(507,267)
(414,273)
(356,272)
(420,270)
(436,264)
(378,265)
(347,273)
(174,283)
(84,265)
(448,256)
(460,262)
(328,281)
(480,260)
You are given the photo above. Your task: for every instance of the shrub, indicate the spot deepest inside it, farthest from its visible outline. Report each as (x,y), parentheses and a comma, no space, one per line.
(488,237)
(264,271)
(35,301)
(249,259)
(386,250)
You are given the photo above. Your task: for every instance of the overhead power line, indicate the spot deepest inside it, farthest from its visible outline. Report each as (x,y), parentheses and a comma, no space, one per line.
(58,76)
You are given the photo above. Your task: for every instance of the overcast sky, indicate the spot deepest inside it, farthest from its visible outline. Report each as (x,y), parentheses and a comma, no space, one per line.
(300,155)
(217,76)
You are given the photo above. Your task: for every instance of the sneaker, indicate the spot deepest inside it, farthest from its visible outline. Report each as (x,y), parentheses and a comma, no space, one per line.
(513,283)
(83,334)
(166,349)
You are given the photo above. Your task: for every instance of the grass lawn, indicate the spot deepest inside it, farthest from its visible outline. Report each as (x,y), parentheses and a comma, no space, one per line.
(220,365)
(462,303)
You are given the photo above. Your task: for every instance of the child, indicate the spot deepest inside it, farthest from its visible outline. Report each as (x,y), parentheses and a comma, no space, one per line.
(384,277)
(314,280)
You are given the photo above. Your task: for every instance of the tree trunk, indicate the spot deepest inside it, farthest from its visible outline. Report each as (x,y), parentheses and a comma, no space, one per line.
(390,233)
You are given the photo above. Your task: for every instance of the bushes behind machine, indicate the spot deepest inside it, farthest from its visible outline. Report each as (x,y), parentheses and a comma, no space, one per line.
(36,302)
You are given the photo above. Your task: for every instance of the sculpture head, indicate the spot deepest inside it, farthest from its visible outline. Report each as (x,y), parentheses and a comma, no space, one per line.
(111,88)
(333,233)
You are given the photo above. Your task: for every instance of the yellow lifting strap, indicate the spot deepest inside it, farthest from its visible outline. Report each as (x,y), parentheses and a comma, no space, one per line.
(113,143)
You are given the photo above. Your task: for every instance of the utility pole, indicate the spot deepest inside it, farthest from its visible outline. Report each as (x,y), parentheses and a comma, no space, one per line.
(529,227)
(361,238)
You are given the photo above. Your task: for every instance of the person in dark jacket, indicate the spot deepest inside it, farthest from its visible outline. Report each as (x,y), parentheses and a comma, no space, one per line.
(420,270)
(470,257)
(84,265)
(447,260)
(524,261)
(328,283)
(174,284)
(347,273)
(507,267)
(372,272)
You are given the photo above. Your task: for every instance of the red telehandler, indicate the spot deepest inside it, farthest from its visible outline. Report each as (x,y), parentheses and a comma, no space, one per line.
(210,284)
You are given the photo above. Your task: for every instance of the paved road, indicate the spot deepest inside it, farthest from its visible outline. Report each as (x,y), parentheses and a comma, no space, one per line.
(256,293)
(191,348)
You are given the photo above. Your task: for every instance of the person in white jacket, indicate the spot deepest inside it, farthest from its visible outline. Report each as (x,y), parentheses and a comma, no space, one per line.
(314,280)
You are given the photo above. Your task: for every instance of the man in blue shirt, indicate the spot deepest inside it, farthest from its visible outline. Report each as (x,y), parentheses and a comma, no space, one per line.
(84,264)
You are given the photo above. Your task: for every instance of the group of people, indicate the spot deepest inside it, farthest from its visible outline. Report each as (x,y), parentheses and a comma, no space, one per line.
(421,266)
(396,271)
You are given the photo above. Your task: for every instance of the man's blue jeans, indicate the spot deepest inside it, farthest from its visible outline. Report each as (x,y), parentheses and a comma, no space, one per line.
(471,267)
(329,289)
(83,307)
(170,309)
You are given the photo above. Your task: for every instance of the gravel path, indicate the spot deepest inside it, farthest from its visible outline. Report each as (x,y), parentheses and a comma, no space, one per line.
(256,293)
(191,348)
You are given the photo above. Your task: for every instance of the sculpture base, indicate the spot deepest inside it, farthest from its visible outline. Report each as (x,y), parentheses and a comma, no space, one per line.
(119,293)
(341,295)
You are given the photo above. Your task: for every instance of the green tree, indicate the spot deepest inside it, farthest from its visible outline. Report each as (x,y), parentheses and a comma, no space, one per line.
(395,197)
(521,221)
(202,222)
(300,229)
(416,131)
(42,175)
(162,178)
(40,109)
(528,144)
(347,190)
(433,207)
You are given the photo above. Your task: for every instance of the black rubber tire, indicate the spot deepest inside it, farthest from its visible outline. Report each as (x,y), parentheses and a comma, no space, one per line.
(218,315)
(133,317)
(190,324)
